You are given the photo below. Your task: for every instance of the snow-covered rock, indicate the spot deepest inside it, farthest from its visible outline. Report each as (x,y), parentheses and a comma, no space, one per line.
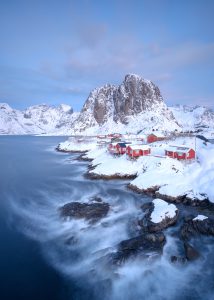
(77,145)
(162,211)
(159,215)
(200,218)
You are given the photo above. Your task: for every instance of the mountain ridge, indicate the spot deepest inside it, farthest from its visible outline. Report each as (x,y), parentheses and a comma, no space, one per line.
(136,102)
(134,105)
(36,119)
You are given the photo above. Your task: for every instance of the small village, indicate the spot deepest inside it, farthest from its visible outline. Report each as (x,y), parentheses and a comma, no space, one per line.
(142,146)
(135,146)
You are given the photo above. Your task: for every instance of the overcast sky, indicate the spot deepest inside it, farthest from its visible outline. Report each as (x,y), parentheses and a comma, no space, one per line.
(56,52)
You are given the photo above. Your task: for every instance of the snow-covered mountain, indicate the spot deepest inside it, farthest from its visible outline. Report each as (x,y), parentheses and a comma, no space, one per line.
(193,118)
(134,105)
(38,119)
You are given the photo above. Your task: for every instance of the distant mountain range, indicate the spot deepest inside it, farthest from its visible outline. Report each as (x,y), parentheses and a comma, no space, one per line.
(133,106)
(38,119)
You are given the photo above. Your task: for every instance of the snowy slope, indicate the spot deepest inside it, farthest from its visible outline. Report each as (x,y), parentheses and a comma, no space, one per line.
(193,118)
(38,119)
(11,121)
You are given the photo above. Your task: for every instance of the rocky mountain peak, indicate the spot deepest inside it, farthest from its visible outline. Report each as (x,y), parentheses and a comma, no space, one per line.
(134,96)
(118,104)
(99,106)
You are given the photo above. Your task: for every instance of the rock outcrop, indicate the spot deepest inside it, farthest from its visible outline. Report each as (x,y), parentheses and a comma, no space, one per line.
(92,212)
(190,252)
(116,106)
(194,227)
(135,95)
(159,215)
(145,246)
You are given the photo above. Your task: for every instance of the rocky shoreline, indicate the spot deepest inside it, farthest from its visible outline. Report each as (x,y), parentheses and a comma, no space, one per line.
(91,175)
(149,236)
(154,192)
(58,149)
(151,191)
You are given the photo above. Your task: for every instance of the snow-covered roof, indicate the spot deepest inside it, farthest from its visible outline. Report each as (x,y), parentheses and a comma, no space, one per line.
(139,147)
(158,134)
(178,148)
(141,136)
(122,144)
(170,148)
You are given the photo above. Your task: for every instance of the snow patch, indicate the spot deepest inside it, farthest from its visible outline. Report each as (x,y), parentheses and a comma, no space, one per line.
(162,210)
(200,218)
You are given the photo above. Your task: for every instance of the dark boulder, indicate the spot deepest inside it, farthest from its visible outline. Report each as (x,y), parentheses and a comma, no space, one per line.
(192,228)
(191,252)
(178,259)
(145,245)
(93,211)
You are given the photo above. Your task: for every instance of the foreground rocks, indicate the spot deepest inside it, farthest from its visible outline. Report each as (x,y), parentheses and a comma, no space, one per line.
(145,245)
(92,175)
(150,191)
(194,227)
(83,157)
(59,149)
(190,252)
(93,211)
(187,200)
(159,215)
(184,199)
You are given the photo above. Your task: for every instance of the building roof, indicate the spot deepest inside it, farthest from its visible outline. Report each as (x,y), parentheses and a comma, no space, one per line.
(123,145)
(113,144)
(157,134)
(139,147)
(178,148)
(171,148)
(141,136)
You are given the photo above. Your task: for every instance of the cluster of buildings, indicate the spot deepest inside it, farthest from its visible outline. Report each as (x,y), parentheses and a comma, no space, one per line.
(134,149)
(151,138)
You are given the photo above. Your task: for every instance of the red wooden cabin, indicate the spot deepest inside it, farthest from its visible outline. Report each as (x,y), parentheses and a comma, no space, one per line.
(154,137)
(112,148)
(121,147)
(135,151)
(180,152)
